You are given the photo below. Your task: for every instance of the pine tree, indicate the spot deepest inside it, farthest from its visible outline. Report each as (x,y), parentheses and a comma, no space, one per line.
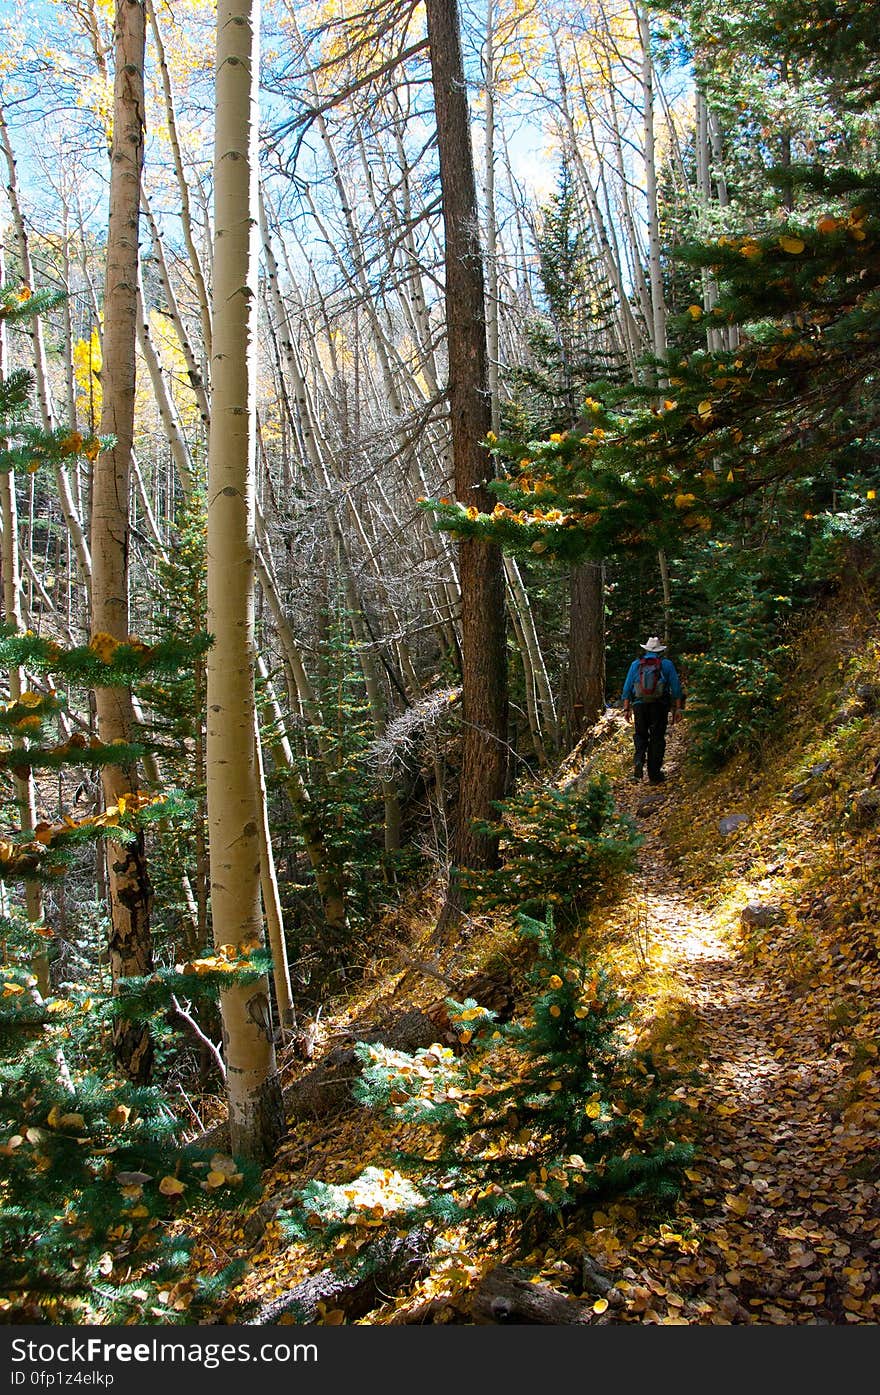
(567,342)
(532,1118)
(795,398)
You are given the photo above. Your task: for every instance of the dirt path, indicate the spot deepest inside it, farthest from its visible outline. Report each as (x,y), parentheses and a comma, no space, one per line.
(779,1220)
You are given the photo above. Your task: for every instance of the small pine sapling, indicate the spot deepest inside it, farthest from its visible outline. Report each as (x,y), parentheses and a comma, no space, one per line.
(532,1118)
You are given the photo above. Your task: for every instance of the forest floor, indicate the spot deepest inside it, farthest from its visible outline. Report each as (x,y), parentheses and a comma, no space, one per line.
(746,941)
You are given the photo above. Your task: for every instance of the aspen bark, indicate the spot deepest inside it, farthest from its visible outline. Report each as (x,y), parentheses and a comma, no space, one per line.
(130,946)
(655,273)
(253,1087)
(271,896)
(25,791)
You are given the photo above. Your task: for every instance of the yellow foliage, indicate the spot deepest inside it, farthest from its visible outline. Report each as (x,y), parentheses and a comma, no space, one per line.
(87,364)
(103,645)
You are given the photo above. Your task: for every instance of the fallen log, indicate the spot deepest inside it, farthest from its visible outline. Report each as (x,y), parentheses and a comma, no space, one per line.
(507,1296)
(385,1268)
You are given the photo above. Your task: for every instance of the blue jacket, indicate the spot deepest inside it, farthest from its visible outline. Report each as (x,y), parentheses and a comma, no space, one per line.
(670,677)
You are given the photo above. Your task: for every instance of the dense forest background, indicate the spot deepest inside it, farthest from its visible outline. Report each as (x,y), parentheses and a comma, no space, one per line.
(373,384)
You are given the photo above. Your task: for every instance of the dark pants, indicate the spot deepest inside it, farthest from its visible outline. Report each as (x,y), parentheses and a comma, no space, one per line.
(649,735)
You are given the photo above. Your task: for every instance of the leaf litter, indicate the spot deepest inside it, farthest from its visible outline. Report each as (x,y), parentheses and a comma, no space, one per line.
(770,1035)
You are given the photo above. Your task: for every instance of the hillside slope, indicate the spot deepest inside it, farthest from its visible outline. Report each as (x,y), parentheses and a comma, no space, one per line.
(747,941)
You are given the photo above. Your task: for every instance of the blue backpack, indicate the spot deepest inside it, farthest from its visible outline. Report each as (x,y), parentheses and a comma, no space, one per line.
(650,683)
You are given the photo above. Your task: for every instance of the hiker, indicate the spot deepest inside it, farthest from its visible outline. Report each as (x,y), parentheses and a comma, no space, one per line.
(651,690)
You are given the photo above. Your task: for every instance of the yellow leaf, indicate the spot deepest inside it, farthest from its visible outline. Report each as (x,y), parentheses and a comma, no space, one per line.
(119,1114)
(555,981)
(72,443)
(704,408)
(171,1186)
(794,245)
(600,1305)
(103,645)
(684,501)
(593,1110)
(696,313)
(555,1010)
(215,1179)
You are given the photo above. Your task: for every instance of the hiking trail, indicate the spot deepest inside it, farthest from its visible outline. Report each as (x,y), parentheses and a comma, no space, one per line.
(778,1219)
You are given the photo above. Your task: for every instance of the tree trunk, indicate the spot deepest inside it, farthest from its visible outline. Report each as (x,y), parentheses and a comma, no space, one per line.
(255,1120)
(129,887)
(484,661)
(655,271)
(271,897)
(25,790)
(585,688)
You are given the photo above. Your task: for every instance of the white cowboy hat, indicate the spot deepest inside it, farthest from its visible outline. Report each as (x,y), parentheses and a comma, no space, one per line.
(653,646)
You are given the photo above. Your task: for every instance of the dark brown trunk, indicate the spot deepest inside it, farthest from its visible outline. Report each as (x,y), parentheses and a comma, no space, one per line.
(585,686)
(484,661)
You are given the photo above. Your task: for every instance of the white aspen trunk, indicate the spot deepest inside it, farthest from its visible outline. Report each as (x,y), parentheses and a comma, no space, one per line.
(328,878)
(271,897)
(529,686)
(193,371)
(168,414)
(130,894)
(255,1119)
(655,274)
(185,211)
(25,790)
(41,375)
(491,238)
(533,658)
(714,337)
(731,334)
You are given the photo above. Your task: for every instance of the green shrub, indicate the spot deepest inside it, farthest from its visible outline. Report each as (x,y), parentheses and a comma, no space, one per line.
(533,1117)
(559,847)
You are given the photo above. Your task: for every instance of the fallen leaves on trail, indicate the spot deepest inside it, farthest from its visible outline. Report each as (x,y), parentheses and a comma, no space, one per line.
(782,1027)
(770,1033)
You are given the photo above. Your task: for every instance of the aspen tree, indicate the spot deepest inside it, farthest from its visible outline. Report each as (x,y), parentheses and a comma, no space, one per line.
(232,778)
(130,947)
(25,790)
